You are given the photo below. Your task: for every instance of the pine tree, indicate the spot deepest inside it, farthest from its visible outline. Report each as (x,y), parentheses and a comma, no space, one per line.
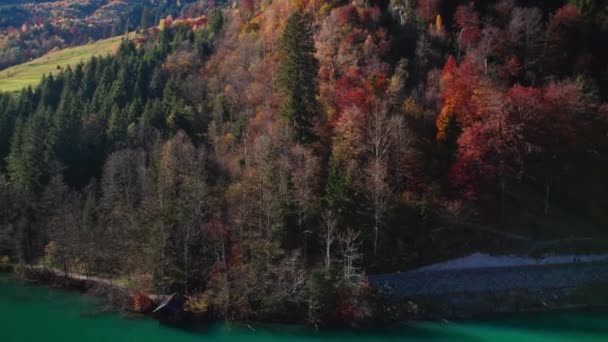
(134,110)
(298,76)
(117,126)
(27,102)
(163,42)
(7,122)
(89,81)
(31,151)
(88,212)
(77,77)
(178,114)
(157,83)
(66,128)
(50,90)
(141,80)
(220,112)
(99,103)
(153,114)
(120,91)
(216,21)
(338,193)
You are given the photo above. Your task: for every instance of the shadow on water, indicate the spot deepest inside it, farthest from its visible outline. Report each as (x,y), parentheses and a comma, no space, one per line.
(591,321)
(70,316)
(268,332)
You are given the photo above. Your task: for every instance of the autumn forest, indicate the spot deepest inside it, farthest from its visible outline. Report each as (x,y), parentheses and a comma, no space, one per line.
(263,157)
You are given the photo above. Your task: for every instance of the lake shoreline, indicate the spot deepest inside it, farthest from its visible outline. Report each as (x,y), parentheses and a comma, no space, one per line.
(6,268)
(119,299)
(57,312)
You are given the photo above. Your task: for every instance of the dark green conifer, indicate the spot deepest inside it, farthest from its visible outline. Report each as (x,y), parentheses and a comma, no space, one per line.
(117,126)
(153,114)
(31,151)
(178,114)
(298,76)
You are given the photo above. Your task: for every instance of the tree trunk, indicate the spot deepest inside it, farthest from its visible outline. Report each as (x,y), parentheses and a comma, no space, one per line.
(502,197)
(162,268)
(327,254)
(186,261)
(376,237)
(548,185)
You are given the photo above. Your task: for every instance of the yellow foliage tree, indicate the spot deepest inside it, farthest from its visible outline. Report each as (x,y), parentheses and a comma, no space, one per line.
(438,23)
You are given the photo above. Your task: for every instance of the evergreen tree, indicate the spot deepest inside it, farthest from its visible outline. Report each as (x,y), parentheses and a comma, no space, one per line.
(7,122)
(141,80)
(298,76)
(126,49)
(120,91)
(28,101)
(89,80)
(220,112)
(134,110)
(66,127)
(117,126)
(31,151)
(178,114)
(153,114)
(99,103)
(163,42)
(216,21)
(77,78)
(157,84)
(50,91)
(182,33)
(338,191)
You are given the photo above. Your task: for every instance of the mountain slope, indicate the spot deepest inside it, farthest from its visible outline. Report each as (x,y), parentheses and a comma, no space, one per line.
(19,76)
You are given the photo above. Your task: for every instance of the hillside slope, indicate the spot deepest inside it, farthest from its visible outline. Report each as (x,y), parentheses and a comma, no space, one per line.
(19,76)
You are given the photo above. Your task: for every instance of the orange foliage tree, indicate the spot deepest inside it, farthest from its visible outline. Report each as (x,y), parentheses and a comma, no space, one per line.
(460,92)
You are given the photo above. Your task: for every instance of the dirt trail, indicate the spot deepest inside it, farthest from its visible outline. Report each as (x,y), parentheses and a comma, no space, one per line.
(93,279)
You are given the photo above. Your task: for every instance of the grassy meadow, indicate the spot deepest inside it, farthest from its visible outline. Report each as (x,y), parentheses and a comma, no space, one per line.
(19,76)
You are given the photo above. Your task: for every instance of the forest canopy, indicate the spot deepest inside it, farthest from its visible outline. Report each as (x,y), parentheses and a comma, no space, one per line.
(266,157)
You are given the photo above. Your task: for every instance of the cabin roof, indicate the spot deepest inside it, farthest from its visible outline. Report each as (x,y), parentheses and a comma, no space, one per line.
(165,302)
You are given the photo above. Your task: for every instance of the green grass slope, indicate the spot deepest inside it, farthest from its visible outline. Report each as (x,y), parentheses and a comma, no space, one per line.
(19,76)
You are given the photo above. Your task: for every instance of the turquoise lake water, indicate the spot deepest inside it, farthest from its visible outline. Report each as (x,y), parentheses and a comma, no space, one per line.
(37,313)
